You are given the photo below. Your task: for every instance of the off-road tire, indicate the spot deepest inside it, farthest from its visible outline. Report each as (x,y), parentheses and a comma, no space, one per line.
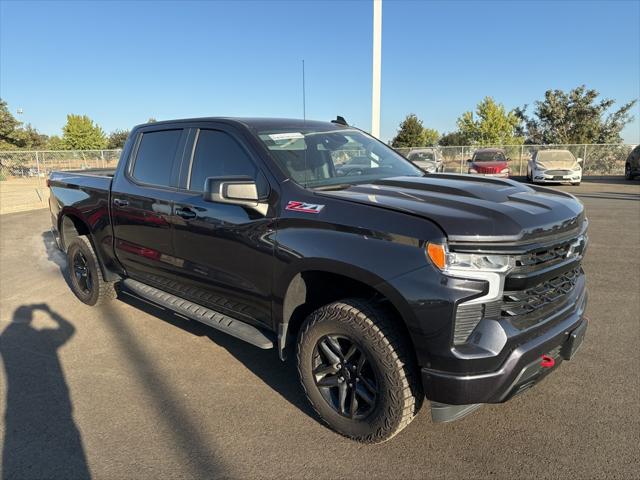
(627,172)
(375,332)
(100,291)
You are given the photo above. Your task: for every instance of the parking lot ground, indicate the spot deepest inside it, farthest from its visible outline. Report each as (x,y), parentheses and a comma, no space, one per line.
(131,391)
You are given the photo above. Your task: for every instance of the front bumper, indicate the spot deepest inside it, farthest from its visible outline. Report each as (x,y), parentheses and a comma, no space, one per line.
(541,176)
(521,370)
(497,175)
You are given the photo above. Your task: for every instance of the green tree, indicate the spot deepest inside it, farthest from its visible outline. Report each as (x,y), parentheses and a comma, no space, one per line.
(429,137)
(14,136)
(452,139)
(8,127)
(491,125)
(412,134)
(56,143)
(576,117)
(81,133)
(117,139)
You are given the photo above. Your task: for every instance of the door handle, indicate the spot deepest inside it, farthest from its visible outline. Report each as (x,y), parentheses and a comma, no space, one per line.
(186,213)
(120,203)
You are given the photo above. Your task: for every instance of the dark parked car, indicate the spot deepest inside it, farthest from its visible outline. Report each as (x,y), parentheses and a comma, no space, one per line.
(384,287)
(490,162)
(632,165)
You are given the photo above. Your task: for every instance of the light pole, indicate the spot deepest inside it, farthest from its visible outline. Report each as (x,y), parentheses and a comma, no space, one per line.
(377,53)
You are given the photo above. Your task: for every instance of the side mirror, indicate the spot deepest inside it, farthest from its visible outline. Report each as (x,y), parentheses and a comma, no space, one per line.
(508,159)
(580,160)
(241,191)
(468,160)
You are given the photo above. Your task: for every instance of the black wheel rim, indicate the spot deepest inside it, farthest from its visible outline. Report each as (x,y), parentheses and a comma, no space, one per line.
(344,376)
(82,272)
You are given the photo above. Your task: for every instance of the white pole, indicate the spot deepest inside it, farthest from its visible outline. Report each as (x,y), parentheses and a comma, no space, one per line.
(377,52)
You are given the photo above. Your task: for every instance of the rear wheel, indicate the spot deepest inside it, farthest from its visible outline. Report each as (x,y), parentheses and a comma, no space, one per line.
(356,370)
(84,270)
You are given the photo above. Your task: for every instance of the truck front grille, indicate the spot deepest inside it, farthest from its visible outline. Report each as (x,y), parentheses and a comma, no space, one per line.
(522,308)
(527,307)
(543,257)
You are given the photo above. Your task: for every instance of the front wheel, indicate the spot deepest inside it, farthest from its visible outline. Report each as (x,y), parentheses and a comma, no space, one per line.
(627,172)
(357,371)
(86,279)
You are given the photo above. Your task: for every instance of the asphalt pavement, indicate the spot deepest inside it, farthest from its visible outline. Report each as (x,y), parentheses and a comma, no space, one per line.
(131,391)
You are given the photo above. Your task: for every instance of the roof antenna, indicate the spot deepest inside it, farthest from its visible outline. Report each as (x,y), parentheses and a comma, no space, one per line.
(340,121)
(304,95)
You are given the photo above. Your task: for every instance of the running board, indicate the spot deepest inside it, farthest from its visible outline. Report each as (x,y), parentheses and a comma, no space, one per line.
(219,321)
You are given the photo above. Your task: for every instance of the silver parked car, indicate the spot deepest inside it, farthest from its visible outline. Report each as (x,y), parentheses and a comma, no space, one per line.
(428,159)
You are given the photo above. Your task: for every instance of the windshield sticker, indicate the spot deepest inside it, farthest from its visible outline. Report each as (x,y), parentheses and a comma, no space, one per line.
(285,136)
(304,207)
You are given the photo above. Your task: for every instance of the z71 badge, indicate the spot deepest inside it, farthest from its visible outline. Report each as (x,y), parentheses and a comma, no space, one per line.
(304,207)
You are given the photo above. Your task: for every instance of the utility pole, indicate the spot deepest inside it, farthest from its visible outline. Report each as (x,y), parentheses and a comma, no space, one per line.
(377,53)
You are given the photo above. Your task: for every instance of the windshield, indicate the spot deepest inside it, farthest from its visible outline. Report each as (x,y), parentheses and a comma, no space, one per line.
(336,157)
(556,156)
(489,156)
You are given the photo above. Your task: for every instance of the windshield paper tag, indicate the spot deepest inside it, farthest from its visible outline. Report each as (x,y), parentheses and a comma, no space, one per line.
(304,207)
(285,136)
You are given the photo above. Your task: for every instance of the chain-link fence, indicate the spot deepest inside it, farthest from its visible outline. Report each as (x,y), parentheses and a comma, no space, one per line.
(604,159)
(23,173)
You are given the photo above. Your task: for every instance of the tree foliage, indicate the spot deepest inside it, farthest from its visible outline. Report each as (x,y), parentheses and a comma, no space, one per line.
(429,137)
(575,117)
(452,139)
(81,133)
(491,125)
(56,143)
(13,135)
(412,134)
(117,139)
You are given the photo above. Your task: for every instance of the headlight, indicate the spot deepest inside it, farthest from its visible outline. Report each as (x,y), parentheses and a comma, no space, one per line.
(473,170)
(577,168)
(539,166)
(505,170)
(451,261)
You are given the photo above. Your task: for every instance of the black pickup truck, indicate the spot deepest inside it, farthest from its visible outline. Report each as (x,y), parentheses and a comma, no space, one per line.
(385,286)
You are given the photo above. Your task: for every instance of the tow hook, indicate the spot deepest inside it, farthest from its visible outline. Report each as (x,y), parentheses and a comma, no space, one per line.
(547,361)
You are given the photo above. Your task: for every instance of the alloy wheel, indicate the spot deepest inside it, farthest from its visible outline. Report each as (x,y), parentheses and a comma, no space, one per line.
(82,272)
(344,376)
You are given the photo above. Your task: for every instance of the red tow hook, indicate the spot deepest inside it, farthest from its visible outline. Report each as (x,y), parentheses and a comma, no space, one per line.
(547,361)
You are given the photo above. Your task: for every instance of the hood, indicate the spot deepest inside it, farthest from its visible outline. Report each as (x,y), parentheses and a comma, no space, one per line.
(474,209)
(425,164)
(557,164)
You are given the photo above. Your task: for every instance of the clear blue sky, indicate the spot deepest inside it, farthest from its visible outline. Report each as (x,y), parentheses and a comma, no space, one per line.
(123,62)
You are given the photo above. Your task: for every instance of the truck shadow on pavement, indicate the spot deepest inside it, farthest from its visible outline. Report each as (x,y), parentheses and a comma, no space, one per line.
(41,438)
(280,376)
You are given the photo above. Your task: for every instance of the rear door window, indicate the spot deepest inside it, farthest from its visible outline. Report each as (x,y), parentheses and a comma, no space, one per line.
(156,155)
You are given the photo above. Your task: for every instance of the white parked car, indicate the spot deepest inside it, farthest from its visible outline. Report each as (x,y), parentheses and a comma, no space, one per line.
(427,159)
(554,166)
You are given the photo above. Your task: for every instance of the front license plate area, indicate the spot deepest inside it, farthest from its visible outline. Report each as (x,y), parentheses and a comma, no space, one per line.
(574,341)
